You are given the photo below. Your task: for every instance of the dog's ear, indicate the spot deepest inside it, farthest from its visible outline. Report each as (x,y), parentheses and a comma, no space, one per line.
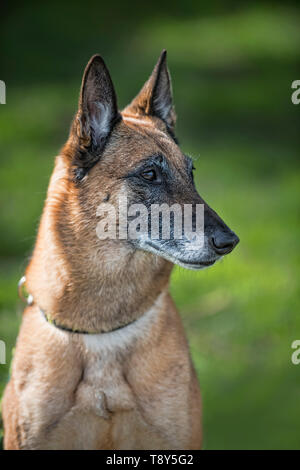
(97,111)
(155,98)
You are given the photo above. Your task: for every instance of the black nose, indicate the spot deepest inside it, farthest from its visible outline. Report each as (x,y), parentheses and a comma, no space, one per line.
(224,242)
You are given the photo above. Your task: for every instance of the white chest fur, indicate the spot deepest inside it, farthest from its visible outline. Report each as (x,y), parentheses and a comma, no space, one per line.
(106,357)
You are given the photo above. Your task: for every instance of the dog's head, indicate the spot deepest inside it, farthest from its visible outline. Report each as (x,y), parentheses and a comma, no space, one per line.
(133,158)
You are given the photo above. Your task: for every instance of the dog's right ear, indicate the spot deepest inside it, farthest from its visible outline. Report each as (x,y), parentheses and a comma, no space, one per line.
(156,98)
(97,111)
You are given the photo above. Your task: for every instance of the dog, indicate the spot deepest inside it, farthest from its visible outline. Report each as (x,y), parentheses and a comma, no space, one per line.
(102,361)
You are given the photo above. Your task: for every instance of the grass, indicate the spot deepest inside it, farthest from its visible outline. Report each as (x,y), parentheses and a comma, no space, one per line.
(232,79)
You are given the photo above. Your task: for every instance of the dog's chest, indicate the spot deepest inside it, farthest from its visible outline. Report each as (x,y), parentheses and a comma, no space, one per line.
(104,394)
(104,387)
(117,417)
(111,409)
(106,358)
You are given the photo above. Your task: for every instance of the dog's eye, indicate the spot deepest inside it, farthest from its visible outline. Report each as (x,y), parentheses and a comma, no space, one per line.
(149,175)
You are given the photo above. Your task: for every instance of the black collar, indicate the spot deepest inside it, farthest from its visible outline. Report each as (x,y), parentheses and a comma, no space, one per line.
(81,332)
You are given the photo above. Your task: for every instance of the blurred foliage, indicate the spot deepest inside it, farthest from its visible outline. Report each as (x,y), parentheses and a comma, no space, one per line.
(232,67)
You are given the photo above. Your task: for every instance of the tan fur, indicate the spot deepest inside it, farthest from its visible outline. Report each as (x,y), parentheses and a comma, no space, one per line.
(133,388)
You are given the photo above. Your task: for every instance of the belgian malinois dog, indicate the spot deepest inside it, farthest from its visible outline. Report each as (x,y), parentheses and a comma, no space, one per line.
(102,361)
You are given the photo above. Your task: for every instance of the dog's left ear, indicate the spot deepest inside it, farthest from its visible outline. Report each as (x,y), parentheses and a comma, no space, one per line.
(155,98)
(97,111)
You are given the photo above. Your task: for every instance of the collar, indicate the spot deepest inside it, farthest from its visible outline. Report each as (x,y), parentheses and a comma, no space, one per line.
(28,299)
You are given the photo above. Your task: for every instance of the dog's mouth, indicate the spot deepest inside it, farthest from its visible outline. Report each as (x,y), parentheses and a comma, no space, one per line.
(188,264)
(196,264)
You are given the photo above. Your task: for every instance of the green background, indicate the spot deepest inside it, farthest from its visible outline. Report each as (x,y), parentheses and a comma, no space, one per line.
(232,67)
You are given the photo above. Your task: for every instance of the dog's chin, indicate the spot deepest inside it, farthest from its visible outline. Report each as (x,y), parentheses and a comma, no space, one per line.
(194,266)
(176,259)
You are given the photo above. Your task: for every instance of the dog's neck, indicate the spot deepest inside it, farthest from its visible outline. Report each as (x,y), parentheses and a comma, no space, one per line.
(86,284)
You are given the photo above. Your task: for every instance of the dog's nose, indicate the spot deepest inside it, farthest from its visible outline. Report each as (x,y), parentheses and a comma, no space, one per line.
(224,242)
